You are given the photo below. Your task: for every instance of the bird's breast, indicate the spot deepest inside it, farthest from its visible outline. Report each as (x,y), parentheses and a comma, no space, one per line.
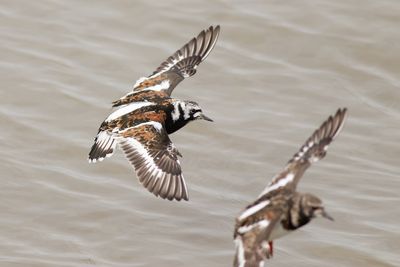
(172,126)
(278,231)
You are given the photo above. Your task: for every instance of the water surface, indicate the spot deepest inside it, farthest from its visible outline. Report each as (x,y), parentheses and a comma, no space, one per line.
(278,70)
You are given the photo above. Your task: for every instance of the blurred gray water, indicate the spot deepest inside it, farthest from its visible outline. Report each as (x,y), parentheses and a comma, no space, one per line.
(278,70)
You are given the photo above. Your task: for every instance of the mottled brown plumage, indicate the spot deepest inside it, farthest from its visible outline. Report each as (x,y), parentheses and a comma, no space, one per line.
(151,96)
(144,118)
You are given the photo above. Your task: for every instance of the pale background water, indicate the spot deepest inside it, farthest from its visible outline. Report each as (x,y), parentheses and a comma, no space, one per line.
(278,70)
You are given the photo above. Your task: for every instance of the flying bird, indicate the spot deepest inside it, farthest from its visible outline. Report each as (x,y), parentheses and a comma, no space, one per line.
(280,209)
(144,118)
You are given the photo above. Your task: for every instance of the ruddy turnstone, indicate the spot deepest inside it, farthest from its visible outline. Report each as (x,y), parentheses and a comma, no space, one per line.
(147,115)
(279,209)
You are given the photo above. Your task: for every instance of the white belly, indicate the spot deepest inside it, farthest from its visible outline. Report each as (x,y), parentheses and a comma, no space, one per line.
(278,232)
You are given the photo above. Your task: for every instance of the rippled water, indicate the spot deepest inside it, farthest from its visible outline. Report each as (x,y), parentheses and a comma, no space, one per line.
(278,70)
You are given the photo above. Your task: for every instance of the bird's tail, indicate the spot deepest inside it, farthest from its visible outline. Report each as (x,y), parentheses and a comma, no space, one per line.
(251,256)
(104,145)
(317,144)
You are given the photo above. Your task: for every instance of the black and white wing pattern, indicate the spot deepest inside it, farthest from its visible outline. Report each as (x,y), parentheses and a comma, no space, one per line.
(182,64)
(312,150)
(185,60)
(155,159)
(127,116)
(253,230)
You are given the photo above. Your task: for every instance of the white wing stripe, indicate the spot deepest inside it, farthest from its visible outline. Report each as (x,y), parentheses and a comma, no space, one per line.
(127,109)
(246,228)
(281,182)
(253,209)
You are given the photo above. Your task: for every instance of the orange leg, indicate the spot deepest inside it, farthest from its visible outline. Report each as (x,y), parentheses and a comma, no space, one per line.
(271,248)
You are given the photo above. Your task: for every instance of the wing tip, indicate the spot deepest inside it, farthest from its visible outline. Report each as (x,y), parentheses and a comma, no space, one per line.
(199,46)
(214,32)
(340,115)
(317,144)
(176,189)
(170,187)
(332,126)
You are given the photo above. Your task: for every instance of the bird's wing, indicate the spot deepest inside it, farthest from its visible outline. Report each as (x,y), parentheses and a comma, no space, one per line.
(122,118)
(155,159)
(312,150)
(185,60)
(253,228)
(177,67)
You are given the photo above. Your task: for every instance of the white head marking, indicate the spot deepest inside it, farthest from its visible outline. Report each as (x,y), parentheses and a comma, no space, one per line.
(186,114)
(176,113)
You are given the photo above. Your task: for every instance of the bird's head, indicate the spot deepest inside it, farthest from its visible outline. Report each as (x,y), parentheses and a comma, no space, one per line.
(188,111)
(313,207)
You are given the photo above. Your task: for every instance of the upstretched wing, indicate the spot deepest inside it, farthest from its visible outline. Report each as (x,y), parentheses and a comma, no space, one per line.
(155,159)
(313,150)
(177,67)
(253,229)
(185,60)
